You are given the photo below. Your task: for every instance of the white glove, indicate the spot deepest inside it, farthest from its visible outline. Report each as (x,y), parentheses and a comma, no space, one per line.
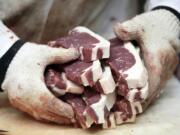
(24,82)
(157,33)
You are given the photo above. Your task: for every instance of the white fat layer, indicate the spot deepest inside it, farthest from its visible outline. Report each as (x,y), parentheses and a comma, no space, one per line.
(96,70)
(84,79)
(111,99)
(105,51)
(105,100)
(71,87)
(107,82)
(99,109)
(94,53)
(137,74)
(143,93)
(131,95)
(103,43)
(81,53)
(112,121)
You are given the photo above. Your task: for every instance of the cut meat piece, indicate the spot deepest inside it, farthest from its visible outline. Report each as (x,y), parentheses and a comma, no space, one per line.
(91,96)
(71,87)
(121,117)
(55,82)
(99,106)
(84,73)
(138,94)
(131,94)
(128,70)
(113,95)
(90,45)
(79,107)
(106,83)
(110,122)
(126,111)
(59,84)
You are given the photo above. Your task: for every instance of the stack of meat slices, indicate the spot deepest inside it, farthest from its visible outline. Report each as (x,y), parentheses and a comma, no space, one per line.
(106,86)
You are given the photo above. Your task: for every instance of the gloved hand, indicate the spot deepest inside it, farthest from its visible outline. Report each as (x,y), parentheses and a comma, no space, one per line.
(24,82)
(157,33)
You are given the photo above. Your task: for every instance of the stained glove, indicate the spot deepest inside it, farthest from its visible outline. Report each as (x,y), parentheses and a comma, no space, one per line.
(157,33)
(24,82)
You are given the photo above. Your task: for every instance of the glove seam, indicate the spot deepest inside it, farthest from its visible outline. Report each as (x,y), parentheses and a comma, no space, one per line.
(7,58)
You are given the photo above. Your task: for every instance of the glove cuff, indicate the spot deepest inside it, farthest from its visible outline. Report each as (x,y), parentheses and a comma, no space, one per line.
(163,22)
(7,58)
(176,13)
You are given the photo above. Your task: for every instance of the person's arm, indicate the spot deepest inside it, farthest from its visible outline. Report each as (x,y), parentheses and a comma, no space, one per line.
(7,39)
(22,66)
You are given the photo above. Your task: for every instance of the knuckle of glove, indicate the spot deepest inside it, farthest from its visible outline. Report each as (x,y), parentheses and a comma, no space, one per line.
(61,55)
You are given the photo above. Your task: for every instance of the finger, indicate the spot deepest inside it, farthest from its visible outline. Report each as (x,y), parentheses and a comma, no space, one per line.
(129,30)
(60,55)
(45,108)
(61,108)
(56,106)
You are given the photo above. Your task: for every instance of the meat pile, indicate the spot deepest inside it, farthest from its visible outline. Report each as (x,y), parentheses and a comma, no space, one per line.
(106,85)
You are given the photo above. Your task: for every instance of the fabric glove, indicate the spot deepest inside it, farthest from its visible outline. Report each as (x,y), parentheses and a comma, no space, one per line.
(157,33)
(24,82)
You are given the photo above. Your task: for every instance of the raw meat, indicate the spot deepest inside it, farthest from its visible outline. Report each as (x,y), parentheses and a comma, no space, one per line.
(78,106)
(107,92)
(106,83)
(110,122)
(98,106)
(83,73)
(126,111)
(128,70)
(59,84)
(90,45)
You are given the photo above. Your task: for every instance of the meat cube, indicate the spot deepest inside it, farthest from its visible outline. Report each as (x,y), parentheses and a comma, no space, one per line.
(79,106)
(129,70)
(138,94)
(110,122)
(59,84)
(99,106)
(90,45)
(83,73)
(126,111)
(121,117)
(106,83)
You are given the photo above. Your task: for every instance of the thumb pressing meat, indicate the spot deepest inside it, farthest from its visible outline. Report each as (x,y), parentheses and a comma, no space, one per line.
(109,84)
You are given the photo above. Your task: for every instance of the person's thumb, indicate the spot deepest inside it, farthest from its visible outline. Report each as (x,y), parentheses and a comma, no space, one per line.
(129,30)
(61,55)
